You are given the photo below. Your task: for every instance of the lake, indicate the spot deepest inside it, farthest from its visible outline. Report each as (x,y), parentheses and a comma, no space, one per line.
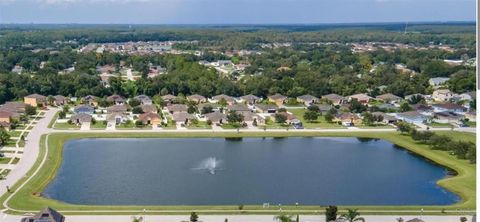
(217,171)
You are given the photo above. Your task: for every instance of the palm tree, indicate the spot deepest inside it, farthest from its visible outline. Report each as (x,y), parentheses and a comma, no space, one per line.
(137,219)
(352,215)
(284,218)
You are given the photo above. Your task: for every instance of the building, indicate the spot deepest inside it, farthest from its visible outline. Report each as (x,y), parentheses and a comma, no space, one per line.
(86,109)
(150,119)
(389,98)
(334,99)
(169,98)
(81,118)
(266,108)
(14,107)
(197,99)
(249,99)
(412,117)
(18,69)
(216,117)
(59,100)
(117,109)
(252,119)
(447,117)
(468,96)
(183,117)
(238,108)
(176,108)
(46,215)
(216,99)
(90,100)
(278,99)
(6,126)
(35,100)
(307,99)
(348,119)
(361,97)
(6,116)
(448,107)
(116,118)
(116,99)
(438,81)
(144,99)
(149,108)
(442,95)
(387,119)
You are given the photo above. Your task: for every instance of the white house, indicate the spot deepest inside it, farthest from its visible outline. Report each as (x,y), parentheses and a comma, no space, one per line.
(442,95)
(438,81)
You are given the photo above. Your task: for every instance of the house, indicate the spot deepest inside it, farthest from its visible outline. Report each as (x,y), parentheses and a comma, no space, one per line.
(201,106)
(347,119)
(117,109)
(278,99)
(252,118)
(18,69)
(116,118)
(81,118)
(176,108)
(116,99)
(471,116)
(442,95)
(238,108)
(324,107)
(412,117)
(467,96)
(35,100)
(216,117)
(438,81)
(182,117)
(59,100)
(7,116)
(46,215)
(90,100)
(266,108)
(14,107)
(289,117)
(423,109)
(86,109)
(249,99)
(150,119)
(389,98)
(169,98)
(409,97)
(218,98)
(144,99)
(149,108)
(5,125)
(449,107)
(361,97)
(387,119)
(415,220)
(197,99)
(307,99)
(447,117)
(334,99)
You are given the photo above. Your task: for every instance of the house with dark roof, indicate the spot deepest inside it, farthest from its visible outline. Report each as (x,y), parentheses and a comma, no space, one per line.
(335,99)
(116,99)
(60,100)
(176,108)
(46,215)
(35,100)
(278,99)
(117,109)
(412,117)
(307,99)
(197,98)
(81,118)
(216,117)
(266,108)
(249,99)
(449,107)
(87,109)
(389,98)
(144,99)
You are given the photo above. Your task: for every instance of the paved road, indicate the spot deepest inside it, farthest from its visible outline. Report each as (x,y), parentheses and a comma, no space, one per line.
(234,218)
(31,151)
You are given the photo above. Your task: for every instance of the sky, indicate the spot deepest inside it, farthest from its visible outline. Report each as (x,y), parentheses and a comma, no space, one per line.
(233,11)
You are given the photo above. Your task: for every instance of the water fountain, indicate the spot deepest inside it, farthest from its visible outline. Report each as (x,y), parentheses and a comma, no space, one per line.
(210,164)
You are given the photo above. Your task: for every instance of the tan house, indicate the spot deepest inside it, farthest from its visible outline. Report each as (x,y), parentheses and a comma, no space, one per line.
(176,108)
(81,118)
(59,100)
(182,117)
(90,100)
(335,99)
(307,100)
(35,100)
(442,95)
(361,97)
(389,98)
(278,99)
(197,99)
(6,116)
(216,99)
(150,119)
(216,117)
(348,119)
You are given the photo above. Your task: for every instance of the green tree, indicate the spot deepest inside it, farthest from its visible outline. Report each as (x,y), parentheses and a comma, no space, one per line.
(137,110)
(30,110)
(193,217)
(4,136)
(284,218)
(310,116)
(352,215)
(280,117)
(331,213)
(404,127)
(405,107)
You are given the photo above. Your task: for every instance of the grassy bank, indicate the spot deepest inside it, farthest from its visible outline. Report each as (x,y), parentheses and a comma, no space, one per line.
(463,184)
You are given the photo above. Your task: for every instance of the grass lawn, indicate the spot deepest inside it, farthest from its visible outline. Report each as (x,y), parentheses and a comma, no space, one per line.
(199,125)
(472,124)
(28,198)
(65,126)
(131,126)
(54,119)
(320,123)
(4,160)
(375,127)
(15,133)
(98,125)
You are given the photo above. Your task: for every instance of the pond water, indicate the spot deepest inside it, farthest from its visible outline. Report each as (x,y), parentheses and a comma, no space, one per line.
(217,171)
